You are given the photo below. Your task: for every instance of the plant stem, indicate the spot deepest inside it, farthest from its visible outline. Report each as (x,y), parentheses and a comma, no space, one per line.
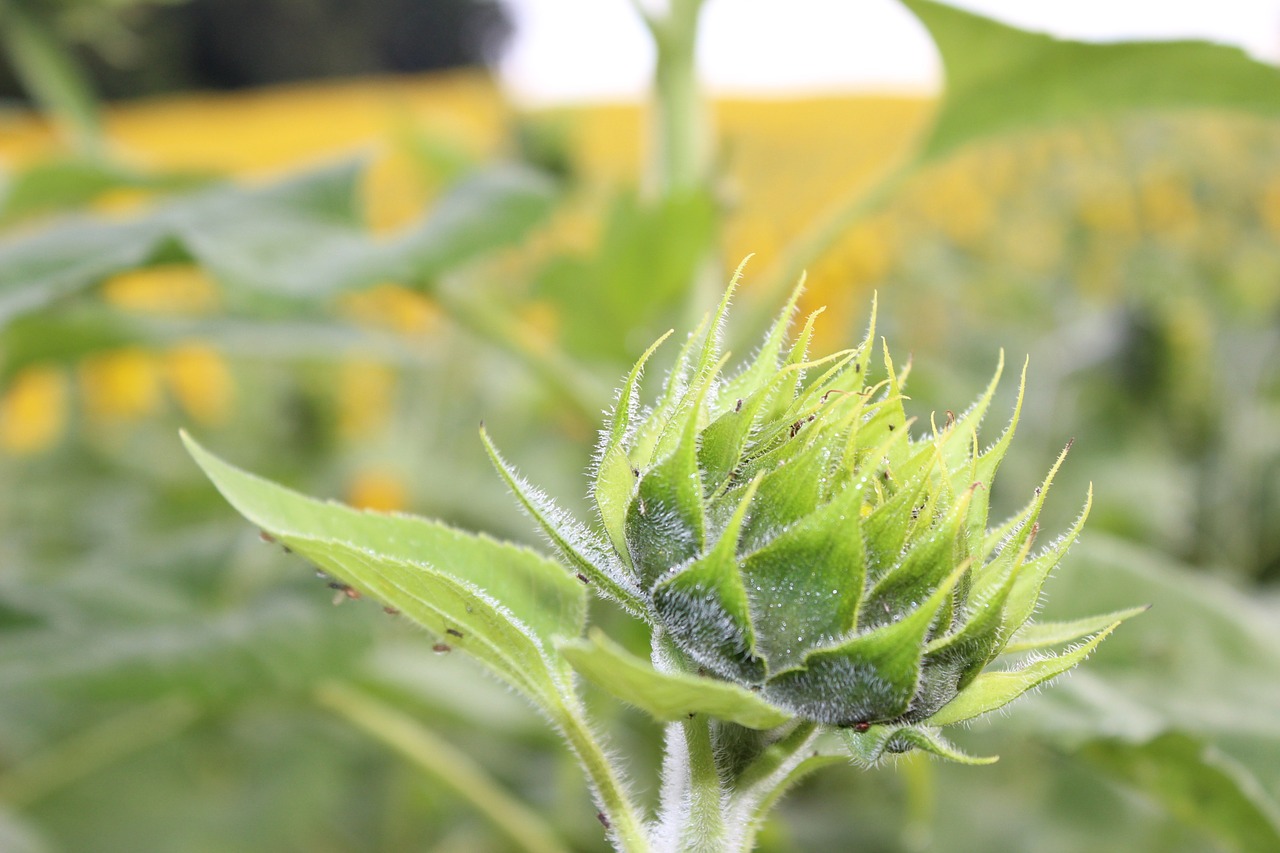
(680,137)
(448,765)
(704,825)
(617,809)
(680,148)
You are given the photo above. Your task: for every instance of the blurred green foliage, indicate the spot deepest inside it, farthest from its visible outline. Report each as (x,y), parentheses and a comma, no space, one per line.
(159,665)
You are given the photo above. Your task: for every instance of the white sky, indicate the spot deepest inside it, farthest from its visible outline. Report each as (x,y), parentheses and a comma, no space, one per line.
(576,50)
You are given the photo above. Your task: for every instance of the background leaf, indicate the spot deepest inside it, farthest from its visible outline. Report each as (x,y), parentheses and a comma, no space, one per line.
(1195,782)
(302,238)
(1001,79)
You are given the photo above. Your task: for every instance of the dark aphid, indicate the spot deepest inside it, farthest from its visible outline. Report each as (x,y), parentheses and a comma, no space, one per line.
(737,407)
(441,648)
(584,578)
(892,427)
(342,592)
(271,540)
(861,727)
(604,820)
(857,368)
(795,428)
(951,417)
(454,632)
(635,472)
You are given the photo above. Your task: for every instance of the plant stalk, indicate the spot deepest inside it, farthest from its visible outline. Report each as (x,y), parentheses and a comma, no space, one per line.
(617,809)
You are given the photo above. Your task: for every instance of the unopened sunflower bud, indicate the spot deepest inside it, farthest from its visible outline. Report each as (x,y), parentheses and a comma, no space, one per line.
(788,528)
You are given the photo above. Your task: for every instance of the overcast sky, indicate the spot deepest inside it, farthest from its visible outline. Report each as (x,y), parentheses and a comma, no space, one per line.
(575,50)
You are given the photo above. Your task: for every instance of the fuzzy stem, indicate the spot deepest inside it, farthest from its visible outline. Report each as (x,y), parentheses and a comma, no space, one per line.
(617,809)
(704,828)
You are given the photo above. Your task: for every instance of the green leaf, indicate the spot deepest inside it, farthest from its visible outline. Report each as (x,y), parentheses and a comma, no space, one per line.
(500,603)
(615,482)
(870,677)
(1204,664)
(1043,634)
(992,690)
(806,582)
(639,269)
(579,546)
(73,182)
(1201,786)
(671,696)
(315,246)
(1206,659)
(870,747)
(302,238)
(1002,79)
(705,609)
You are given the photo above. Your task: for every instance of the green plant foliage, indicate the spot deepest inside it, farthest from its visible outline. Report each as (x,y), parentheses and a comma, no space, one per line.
(1000,78)
(171,684)
(668,696)
(788,534)
(67,184)
(795,542)
(299,239)
(1203,787)
(502,604)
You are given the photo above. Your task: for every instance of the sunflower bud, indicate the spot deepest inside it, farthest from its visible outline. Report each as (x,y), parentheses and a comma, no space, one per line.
(789,529)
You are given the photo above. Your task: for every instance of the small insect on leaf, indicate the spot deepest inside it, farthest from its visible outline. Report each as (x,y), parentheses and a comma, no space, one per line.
(441,648)
(342,592)
(454,632)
